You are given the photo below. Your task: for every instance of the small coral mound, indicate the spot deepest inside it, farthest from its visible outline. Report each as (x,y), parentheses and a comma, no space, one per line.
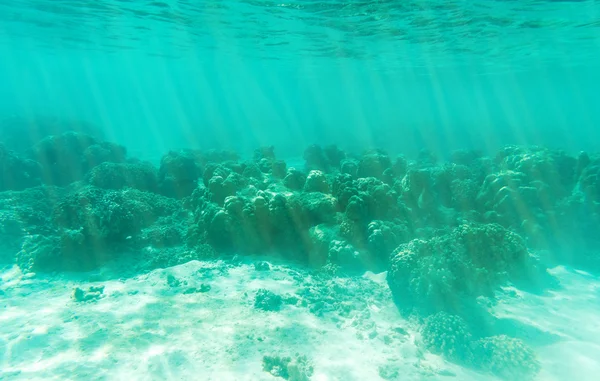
(448,335)
(140,176)
(68,157)
(447,272)
(298,368)
(179,173)
(17,173)
(41,253)
(505,357)
(316,182)
(92,293)
(267,300)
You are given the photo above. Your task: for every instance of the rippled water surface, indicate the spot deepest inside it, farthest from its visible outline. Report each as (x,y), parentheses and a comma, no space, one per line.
(394,33)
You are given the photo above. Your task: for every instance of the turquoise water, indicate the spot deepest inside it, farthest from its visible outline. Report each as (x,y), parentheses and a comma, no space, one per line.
(397,75)
(302,190)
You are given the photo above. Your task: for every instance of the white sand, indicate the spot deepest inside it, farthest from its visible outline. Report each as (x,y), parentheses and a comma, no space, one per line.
(144,329)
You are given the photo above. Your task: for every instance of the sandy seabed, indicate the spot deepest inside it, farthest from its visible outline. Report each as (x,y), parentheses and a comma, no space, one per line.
(199,321)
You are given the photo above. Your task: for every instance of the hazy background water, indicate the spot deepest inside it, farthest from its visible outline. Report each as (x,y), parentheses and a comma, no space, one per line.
(402,75)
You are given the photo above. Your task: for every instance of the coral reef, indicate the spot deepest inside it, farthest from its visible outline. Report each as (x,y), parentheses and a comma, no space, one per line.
(343,209)
(449,234)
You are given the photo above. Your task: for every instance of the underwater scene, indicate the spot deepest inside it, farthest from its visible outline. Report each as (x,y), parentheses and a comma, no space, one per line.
(302,190)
